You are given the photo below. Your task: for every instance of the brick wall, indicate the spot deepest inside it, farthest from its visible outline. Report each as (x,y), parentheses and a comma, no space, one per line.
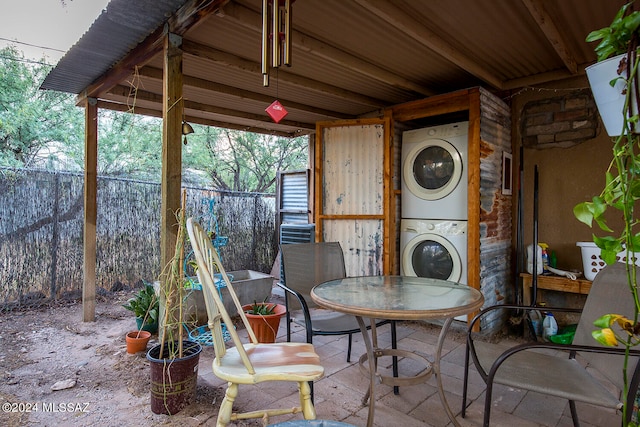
(562,121)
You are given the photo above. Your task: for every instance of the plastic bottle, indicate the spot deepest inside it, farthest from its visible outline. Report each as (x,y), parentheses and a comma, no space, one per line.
(545,257)
(536,322)
(549,326)
(553,259)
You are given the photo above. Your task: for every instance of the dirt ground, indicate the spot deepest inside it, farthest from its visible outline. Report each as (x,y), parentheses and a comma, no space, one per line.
(40,347)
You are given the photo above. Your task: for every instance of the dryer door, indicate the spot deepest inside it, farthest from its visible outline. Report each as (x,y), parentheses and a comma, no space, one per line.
(432,169)
(431,255)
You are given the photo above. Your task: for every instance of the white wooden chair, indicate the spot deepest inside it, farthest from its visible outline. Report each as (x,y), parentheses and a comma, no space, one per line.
(253,362)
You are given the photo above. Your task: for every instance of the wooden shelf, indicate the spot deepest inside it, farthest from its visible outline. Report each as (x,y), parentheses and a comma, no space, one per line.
(553,283)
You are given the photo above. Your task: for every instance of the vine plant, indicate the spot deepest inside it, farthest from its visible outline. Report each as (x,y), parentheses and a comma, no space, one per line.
(622,183)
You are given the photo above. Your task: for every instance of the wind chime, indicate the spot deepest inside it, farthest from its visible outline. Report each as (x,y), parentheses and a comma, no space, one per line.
(276,40)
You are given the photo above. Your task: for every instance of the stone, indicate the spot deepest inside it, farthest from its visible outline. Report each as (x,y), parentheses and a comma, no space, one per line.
(64,384)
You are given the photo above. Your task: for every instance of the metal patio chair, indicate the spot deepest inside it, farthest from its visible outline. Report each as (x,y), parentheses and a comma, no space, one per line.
(306,265)
(567,372)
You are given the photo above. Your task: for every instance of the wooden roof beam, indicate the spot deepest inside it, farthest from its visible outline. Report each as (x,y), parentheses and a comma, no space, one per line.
(542,78)
(118,106)
(388,12)
(125,91)
(550,30)
(156,74)
(253,21)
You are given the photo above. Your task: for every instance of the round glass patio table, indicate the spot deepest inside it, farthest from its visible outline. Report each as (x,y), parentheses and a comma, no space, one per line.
(398,298)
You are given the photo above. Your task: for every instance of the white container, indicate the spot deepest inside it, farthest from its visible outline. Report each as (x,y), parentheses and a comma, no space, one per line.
(592,263)
(549,326)
(539,265)
(609,99)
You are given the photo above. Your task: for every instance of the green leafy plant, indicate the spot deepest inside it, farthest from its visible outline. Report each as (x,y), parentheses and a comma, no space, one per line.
(261,308)
(622,184)
(144,304)
(616,38)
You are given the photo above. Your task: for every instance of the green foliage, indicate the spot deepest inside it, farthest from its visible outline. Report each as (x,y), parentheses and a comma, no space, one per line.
(243,161)
(129,145)
(622,185)
(35,125)
(144,304)
(46,129)
(615,39)
(261,308)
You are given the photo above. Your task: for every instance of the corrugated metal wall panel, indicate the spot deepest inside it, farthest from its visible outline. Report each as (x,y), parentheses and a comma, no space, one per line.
(352,165)
(295,193)
(353,176)
(362,243)
(496,279)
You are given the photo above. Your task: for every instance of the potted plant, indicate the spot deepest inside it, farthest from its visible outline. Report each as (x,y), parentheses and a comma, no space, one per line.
(144,306)
(174,360)
(615,74)
(137,341)
(622,179)
(264,319)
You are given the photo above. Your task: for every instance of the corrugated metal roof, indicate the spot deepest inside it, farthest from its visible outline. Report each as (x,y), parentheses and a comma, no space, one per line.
(350,58)
(121,26)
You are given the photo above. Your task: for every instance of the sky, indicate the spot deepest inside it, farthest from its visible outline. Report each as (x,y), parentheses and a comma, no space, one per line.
(48,27)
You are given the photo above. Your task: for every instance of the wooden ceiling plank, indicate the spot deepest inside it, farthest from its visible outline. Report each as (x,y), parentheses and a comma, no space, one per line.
(251,20)
(390,13)
(551,32)
(156,73)
(233,61)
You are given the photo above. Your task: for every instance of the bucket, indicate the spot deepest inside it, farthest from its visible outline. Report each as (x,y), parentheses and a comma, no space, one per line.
(173,381)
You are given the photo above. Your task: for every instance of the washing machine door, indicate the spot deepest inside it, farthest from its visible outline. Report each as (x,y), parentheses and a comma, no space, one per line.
(433,256)
(432,169)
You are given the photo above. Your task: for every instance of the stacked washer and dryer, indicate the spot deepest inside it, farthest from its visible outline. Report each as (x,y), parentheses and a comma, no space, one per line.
(433,227)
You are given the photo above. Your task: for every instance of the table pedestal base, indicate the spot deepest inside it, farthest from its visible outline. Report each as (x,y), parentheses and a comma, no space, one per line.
(391,380)
(373,353)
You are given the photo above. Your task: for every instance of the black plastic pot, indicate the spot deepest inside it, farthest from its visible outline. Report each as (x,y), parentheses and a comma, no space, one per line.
(173,381)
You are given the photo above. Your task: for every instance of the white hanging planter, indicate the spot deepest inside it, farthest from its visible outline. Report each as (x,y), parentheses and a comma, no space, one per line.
(609,99)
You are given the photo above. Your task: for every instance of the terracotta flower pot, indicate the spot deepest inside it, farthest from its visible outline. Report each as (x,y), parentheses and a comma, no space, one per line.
(265,326)
(137,341)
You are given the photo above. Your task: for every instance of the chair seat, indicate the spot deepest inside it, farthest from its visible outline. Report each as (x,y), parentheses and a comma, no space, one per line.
(548,374)
(325,322)
(288,361)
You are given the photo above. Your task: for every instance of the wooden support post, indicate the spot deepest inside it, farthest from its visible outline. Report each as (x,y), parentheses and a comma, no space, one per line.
(172,113)
(90,209)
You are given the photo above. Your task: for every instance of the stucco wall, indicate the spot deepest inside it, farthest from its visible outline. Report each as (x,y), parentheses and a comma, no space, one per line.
(567,176)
